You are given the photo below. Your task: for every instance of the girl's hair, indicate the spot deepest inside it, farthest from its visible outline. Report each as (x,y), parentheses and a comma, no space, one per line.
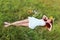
(51,22)
(52,19)
(47,25)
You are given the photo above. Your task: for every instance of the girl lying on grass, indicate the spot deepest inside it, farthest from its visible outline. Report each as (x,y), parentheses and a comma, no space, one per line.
(32,22)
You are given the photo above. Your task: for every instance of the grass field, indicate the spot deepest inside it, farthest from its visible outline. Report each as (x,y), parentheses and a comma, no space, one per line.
(13,10)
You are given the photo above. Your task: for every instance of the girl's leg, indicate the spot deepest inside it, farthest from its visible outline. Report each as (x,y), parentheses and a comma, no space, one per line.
(23,24)
(22,21)
(17,23)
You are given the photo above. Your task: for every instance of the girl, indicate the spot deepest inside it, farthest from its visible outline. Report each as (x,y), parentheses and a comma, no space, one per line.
(32,22)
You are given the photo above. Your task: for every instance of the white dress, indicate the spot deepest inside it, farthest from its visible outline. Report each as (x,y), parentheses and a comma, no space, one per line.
(33,22)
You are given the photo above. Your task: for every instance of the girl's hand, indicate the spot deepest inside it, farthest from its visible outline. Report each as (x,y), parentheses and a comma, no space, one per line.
(45,17)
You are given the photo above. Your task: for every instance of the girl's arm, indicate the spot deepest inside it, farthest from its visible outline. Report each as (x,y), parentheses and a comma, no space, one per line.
(48,26)
(45,18)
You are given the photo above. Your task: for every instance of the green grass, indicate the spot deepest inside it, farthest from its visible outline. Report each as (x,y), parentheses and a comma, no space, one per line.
(13,10)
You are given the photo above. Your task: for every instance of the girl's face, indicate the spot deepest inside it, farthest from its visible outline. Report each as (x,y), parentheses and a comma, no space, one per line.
(49,20)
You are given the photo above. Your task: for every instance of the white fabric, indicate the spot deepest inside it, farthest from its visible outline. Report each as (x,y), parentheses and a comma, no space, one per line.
(33,22)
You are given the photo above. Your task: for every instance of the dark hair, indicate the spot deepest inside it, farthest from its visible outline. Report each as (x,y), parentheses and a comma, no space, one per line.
(45,19)
(48,25)
(51,22)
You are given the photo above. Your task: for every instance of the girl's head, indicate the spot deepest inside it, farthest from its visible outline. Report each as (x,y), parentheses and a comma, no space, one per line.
(49,23)
(51,19)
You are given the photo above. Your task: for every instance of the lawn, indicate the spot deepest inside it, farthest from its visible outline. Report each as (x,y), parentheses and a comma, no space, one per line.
(14,10)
